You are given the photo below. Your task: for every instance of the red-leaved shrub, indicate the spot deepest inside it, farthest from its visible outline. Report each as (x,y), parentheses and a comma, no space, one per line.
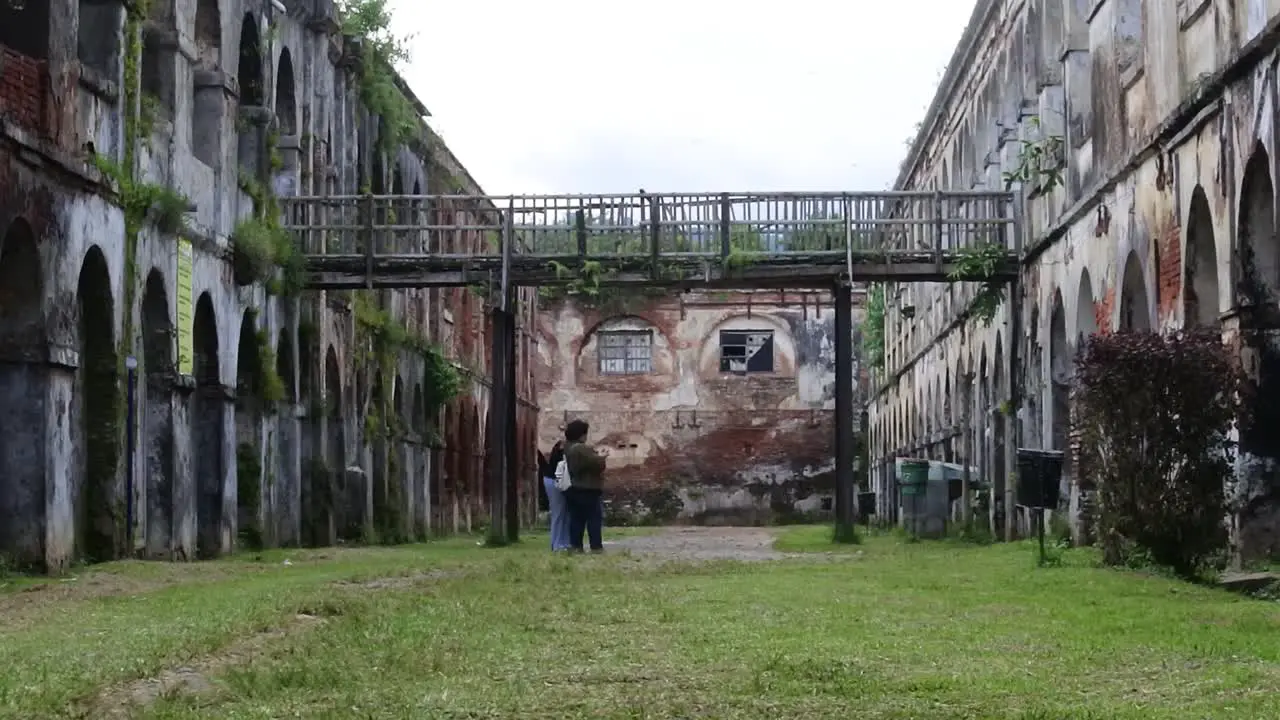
(1156,414)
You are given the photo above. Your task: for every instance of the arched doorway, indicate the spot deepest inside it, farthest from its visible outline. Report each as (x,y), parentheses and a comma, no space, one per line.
(1200,282)
(24,384)
(100,527)
(999,418)
(1061,369)
(1033,385)
(250,387)
(1259,290)
(157,422)
(1135,306)
(249,71)
(285,486)
(209,404)
(982,441)
(286,102)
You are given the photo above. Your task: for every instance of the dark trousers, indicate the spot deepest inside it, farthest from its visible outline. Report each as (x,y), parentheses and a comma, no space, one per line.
(585,513)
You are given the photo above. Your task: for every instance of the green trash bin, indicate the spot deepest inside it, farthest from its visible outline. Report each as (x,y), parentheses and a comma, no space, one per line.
(915,475)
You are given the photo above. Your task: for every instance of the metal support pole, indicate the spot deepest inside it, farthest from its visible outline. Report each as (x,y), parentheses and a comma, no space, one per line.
(655,237)
(1012,427)
(501,438)
(726,225)
(499,407)
(580,230)
(511,467)
(846,517)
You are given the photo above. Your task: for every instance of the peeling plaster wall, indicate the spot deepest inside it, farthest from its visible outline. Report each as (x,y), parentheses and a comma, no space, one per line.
(65,270)
(688,441)
(1161,106)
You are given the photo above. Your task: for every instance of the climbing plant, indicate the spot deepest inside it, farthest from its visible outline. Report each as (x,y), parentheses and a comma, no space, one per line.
(261,246)
(382,50)
(270,388)
(873,327)
(143,203)
(1041,162)
(382,339)
(584,282)
(979,264)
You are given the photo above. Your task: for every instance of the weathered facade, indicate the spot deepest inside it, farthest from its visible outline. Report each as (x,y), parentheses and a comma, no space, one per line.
(111,113)
(1160,117)
(716,407)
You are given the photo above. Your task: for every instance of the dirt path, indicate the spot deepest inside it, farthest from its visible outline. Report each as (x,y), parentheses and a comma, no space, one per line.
(746,544)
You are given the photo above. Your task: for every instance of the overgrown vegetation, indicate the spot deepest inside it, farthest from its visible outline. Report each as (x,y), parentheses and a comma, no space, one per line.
(382,50)
(585,282)
(143,203)
(979,264)
(1157,413)
(262,250)
(1041,162)
(873,327)
(383,339)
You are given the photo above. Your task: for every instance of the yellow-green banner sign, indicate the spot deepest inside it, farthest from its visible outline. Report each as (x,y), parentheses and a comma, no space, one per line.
(186,310)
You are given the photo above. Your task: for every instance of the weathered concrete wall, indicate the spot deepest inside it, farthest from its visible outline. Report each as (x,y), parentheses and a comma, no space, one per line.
(688,439)
(1164,217)
(202,96)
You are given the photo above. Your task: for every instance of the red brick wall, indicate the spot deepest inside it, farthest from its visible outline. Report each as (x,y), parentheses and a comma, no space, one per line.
(22,83)
(1169,274)
(1102,310)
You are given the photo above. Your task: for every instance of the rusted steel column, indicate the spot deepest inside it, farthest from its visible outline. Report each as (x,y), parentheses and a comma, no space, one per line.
(846,515)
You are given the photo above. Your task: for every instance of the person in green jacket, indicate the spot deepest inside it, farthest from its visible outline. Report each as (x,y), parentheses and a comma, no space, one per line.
(586,485)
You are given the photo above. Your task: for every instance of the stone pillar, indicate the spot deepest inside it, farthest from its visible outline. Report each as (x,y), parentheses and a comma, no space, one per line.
(289,477)
(59,460)
(228,527)
(182,538)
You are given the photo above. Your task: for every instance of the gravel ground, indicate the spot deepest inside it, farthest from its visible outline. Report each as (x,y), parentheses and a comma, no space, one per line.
(746,544)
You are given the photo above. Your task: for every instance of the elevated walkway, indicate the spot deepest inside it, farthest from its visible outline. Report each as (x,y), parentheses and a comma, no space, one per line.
(680,240)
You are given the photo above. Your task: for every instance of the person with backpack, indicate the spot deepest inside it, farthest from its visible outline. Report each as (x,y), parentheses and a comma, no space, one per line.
(555,497)
(580,475)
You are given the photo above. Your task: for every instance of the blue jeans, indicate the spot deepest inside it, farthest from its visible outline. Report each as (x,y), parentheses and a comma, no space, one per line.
(559,515)
(586,512)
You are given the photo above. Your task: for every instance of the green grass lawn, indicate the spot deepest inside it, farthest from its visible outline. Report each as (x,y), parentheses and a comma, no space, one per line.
(886,630)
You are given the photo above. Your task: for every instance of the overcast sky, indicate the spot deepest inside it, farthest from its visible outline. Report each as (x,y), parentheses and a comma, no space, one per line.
(678,95)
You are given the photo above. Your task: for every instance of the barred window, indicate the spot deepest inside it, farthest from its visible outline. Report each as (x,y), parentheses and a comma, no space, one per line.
(625,352)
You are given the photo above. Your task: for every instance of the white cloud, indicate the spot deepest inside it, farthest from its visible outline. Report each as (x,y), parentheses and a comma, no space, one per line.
(678,95)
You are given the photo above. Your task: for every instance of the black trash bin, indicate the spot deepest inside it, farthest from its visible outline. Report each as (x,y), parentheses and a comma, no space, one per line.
(866,506)
(1039,475)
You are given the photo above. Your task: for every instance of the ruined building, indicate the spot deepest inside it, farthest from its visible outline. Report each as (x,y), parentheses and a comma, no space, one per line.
(716,406)
(167,390)
(1150,129)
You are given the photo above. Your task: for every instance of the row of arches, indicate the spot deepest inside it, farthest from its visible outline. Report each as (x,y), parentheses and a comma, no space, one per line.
(192,497)
(920,416)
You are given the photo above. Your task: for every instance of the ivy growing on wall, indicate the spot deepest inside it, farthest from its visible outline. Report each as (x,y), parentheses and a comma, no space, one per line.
(381,52)
(979,264)
(1041,162)
(261,246)
(873,327)
(383,339)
